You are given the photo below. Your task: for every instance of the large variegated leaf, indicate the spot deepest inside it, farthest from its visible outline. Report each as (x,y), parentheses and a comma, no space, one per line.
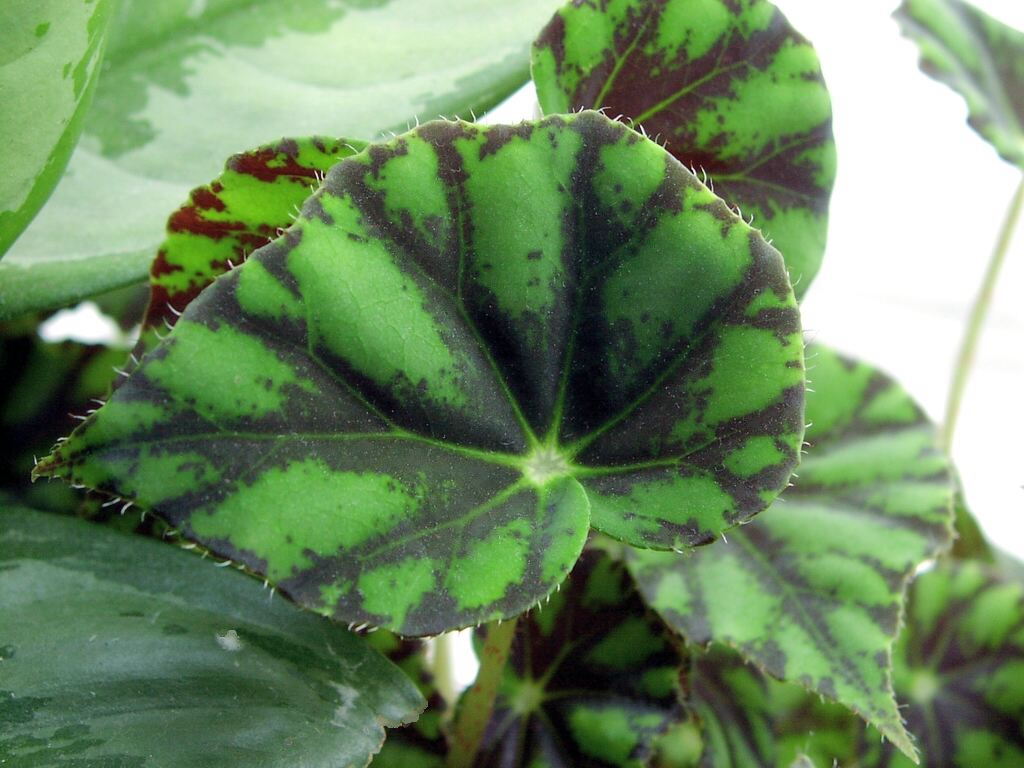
(186,84)
(50,56)
(409,410)
(979,58)
(258,195)
(812,591)
(592,679)
(728,86)
(118,650)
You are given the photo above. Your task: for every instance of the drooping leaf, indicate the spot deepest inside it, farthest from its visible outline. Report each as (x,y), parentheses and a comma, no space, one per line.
(258,195)
(50,56)
(116,649)
(812,591)
(959,667)
(592,679)
(728,86)
(409,409)
(421,744)
(979,58)
(187,84)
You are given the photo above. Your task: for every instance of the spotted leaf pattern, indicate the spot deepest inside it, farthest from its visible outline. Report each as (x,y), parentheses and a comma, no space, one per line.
(978,57)
(475,343)
(116,649)
(812,591)
(592,679)
(728,86)
(258,195)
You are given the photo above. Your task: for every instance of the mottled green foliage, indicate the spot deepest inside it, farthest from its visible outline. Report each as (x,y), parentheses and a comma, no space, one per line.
(256,197)
(979,58)
(728,86)
(592,680)
(421,744)
(186,84)
(959,668)
(50,56)
(409,410)
(117,649)
(812,591)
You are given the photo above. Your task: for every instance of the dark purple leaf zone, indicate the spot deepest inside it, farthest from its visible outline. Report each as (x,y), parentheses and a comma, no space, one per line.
(728,86)
(246,207)
(592,679)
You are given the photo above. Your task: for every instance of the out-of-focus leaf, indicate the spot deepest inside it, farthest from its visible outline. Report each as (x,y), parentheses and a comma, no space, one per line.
(50,56)
(186,84)
(592,679)
(729,87)
(444,383)
(979,58)
(812,591)
(120,650)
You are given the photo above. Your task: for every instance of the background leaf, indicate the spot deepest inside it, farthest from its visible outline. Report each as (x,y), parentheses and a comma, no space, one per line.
(592,679)
(458,376)
(50,56)
(812,591)
(119,648)
(979,58)
(728,86)
(248,205)
(187,85)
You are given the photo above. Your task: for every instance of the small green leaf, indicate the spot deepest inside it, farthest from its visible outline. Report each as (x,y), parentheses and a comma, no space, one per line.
(812,591)
(115,649)
(728,86)
(592,679)
(50,56)
(248,205)
(187,84)
(979,58)
(409,410)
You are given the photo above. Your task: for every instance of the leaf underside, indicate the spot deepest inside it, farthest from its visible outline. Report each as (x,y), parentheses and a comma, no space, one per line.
(979,58)
(409,410)
(811,592)
(115,649)
(592,679)
(728,86)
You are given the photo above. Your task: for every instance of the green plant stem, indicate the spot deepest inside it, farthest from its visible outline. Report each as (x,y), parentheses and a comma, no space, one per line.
(478,703)
(444,668)
(979,312)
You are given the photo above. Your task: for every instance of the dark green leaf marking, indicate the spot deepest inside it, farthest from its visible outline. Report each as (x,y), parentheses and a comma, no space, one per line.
(979,58)
(959,667)
(247,206)
(116,649)
(812,592)
(592,679)
(475,343)
(728,86)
